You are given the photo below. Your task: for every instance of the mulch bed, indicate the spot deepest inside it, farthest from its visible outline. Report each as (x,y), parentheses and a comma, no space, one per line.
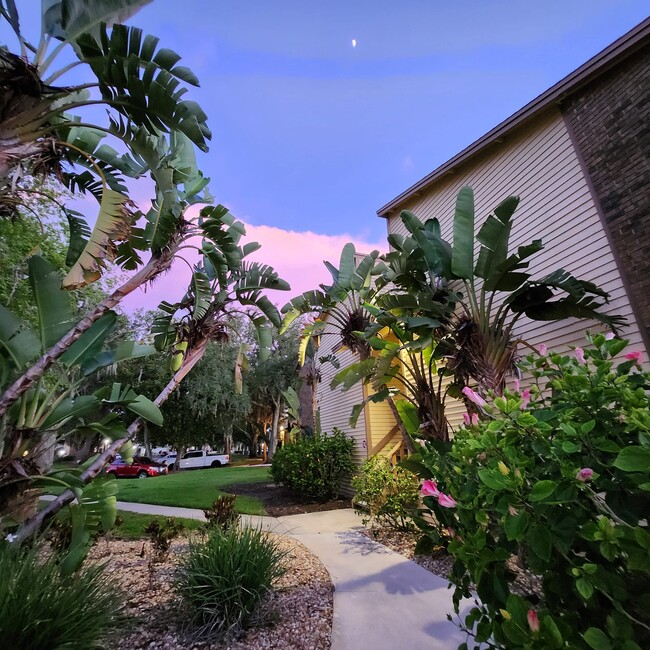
(278,501)
(296,615)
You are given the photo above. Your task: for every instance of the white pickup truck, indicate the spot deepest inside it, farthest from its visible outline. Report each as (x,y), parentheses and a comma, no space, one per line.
(196,459)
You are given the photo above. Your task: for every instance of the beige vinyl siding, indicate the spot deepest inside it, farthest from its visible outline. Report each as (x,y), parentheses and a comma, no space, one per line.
(335,406)
(539,164)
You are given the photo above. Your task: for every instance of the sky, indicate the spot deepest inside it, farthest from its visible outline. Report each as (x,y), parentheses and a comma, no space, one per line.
(312,135)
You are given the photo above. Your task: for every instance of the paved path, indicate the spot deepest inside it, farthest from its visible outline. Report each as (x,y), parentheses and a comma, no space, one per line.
(382,601)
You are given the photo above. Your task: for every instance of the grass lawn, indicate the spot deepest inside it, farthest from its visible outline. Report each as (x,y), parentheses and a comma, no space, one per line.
(192,489)
(195,488)
(133,524)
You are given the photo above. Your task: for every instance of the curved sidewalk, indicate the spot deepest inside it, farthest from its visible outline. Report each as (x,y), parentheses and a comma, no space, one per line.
(382,601)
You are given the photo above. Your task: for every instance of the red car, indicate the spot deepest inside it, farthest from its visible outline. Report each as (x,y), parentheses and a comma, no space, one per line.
(142,467)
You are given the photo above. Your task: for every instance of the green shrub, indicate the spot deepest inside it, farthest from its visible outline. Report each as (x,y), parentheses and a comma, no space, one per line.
(40,609)
(314,467)
(388,494)
(222,513)
(224,579)
(558,490)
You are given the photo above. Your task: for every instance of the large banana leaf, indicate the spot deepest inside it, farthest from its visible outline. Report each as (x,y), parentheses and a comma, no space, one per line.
(67,20)
(462,261)
(123,352)
(70,408)
(142,83)
(346,266)
(90,343)
(200,293)
(494,236)
(113,224)
(17,339)
(54,309)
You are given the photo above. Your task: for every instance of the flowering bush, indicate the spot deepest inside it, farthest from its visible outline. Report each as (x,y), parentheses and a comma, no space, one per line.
(543,505)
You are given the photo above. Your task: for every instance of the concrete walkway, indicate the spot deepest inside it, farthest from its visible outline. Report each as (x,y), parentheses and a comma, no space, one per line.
(382,601)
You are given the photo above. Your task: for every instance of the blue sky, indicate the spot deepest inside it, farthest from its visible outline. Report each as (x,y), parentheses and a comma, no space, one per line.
(313,135)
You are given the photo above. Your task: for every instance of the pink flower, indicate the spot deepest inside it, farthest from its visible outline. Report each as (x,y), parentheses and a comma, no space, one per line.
(474,419)
(609,336)
(542,349)
(474,397)
(580,355)
(446,501)
(466,419)
(584,474)
(634,356)
(525,399)
(533,621)
(429,489)
(517,385)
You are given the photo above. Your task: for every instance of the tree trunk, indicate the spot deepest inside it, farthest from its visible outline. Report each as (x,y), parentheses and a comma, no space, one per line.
(86,450)
(273,438)
(32,526)
(147,441)
(307,395)
(147,273)
(255,436)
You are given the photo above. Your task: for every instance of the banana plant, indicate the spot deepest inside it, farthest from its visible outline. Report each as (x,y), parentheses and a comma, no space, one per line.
(31,426)
(222,287)
(141,85)
(343,302)
(497,290)
(133,78)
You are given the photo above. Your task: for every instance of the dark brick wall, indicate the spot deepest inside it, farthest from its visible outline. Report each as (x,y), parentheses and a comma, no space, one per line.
(610,121)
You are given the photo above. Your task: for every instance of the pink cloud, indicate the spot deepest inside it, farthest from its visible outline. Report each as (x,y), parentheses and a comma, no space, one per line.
(296,256)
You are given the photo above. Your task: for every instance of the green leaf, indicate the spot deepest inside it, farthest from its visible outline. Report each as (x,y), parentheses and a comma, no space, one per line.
(346,266)
(408,413)
(633,459)
(145,408)
(90,343)
(462,261)
(494,235)
(539,539)
(493,479)
(71,408)
(515,526)
(552,631)
(54,310)
(542,489)
(19,341)
(585,588)
(596,639)
(68,19)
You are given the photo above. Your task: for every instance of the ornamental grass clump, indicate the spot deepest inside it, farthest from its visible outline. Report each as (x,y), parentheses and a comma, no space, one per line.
(224,579)
(40,608)
(543,504)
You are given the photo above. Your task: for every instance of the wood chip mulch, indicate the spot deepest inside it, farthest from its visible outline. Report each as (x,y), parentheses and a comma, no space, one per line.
(403,542)
(297,614)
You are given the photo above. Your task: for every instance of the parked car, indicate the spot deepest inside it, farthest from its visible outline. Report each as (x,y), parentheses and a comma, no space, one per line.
(197,459)
(169,460)
(141,467)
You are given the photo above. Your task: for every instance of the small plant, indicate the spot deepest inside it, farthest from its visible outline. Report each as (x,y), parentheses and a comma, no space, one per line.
(314,467)
(222,513)
(41,608)
(388,495)
(224,579)
(161,536)
(552,483)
